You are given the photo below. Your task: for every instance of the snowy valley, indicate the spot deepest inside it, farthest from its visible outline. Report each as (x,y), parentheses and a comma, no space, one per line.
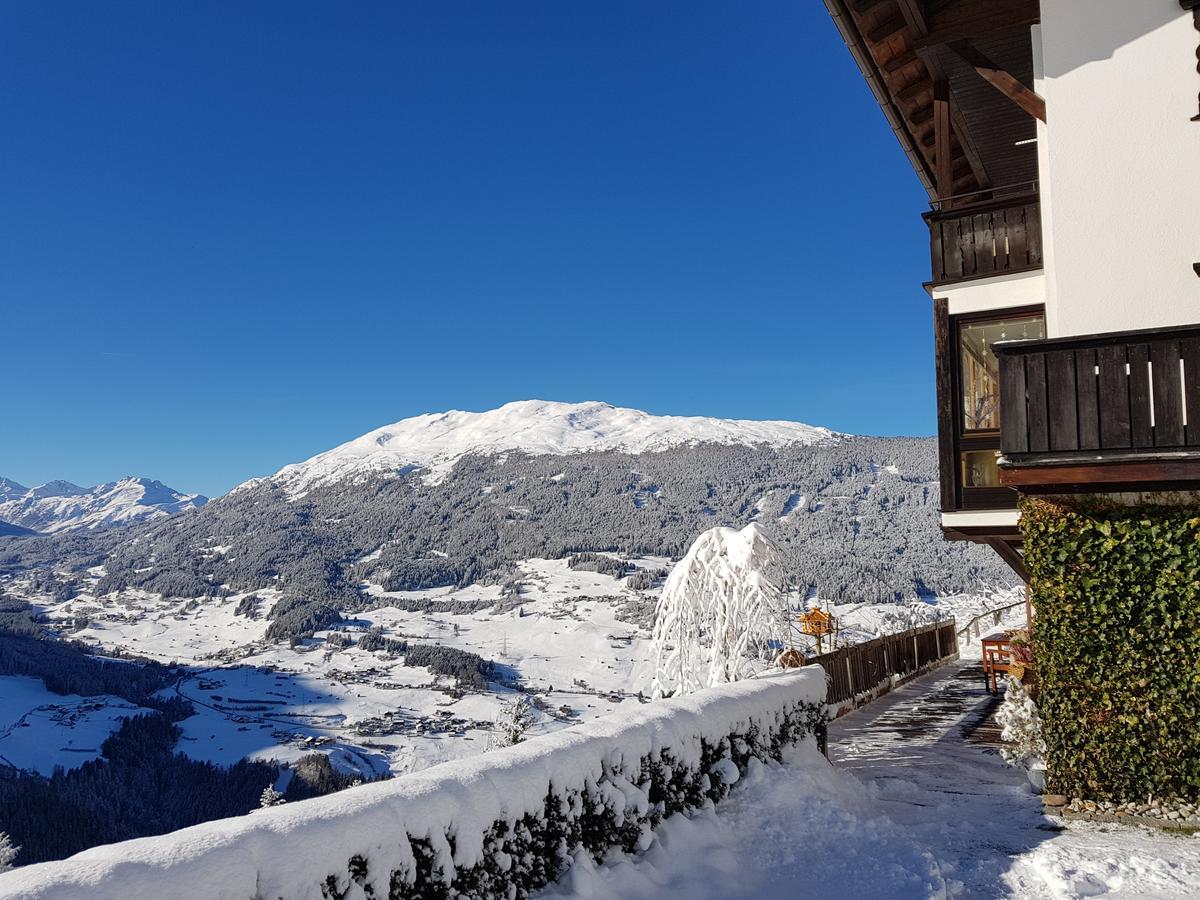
(379,605)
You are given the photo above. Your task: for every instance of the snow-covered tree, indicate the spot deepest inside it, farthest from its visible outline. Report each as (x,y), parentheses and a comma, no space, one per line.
(270,797)
(8,852)
(1021,726)
(718,611)
(512,723)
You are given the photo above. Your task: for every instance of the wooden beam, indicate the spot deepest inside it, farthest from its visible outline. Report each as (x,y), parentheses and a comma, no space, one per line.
(943,160)
(1007,84)
(862,6)
(1100,477)
(921,115)
(914,90)
(914,13)
(882,32)
(947,469)
(968,146)
(971,19)
(900,60)
(1009,554)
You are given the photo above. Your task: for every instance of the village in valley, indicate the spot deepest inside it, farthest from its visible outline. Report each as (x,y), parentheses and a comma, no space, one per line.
(571,649)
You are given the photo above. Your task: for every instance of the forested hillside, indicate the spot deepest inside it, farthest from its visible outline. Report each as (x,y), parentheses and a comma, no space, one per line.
(857,519)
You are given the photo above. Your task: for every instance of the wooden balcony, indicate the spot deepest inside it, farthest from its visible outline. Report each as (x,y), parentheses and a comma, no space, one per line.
(982,240)
(1108,412)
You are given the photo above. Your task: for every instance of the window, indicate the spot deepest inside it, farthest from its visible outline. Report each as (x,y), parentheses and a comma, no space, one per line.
(976,403)
(979,469)
(979,369)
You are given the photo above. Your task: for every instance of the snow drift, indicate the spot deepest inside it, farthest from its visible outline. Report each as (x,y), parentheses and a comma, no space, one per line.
(499,824)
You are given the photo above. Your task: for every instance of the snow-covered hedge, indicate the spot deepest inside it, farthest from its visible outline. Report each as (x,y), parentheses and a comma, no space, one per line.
(497,825)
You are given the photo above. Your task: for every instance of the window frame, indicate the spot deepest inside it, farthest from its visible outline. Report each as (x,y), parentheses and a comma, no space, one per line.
(962,439)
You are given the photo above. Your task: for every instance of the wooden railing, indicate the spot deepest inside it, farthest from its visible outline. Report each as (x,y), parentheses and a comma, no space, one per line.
(1129,392)
(993,238)
(861,672)
(989,618)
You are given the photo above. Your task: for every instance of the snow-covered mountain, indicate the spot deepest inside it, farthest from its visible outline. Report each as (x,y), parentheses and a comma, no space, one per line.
(435,441)
(63,506)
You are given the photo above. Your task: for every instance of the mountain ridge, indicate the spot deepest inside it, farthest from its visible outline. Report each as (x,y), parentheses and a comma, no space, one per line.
(434,442)
(60,506)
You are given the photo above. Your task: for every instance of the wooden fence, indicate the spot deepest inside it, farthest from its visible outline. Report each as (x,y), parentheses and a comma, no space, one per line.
(861,672)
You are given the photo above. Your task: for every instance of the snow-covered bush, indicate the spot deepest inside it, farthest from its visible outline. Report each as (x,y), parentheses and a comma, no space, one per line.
(718,612)
(270,797)
(8,852)
(1021,726)
(502,824)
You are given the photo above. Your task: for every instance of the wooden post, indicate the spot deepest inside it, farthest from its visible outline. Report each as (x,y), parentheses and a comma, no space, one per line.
(850,677)
(937,634)
(916,655)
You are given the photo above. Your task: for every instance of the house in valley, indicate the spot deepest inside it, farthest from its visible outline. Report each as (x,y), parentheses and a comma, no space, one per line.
(1059,143)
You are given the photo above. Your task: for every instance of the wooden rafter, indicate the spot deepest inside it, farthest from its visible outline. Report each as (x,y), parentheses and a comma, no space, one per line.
(1010,86)
(957,132)
(970,19)
(943,164)
(1009,553)
(885,30)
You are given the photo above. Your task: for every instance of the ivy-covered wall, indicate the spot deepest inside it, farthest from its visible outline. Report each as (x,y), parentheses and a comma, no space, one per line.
(1116,595)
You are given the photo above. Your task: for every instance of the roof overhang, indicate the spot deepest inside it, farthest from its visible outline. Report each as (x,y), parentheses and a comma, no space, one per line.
(954,76)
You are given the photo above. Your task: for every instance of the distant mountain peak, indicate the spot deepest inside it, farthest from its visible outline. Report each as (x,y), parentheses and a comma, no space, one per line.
(63,506)
(435,441)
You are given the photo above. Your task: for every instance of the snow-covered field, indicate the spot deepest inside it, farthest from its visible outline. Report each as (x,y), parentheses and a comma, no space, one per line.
(373,714)
(40,730)
(564,645)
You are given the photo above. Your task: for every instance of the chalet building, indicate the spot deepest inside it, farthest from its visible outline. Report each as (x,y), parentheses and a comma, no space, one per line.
(1059,143)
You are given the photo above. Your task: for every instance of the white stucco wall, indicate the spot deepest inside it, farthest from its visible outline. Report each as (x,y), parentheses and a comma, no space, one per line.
(1120,164)
(1001,292)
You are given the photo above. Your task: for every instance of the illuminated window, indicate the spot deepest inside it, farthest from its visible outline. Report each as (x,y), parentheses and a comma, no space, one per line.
(979,469)
(980,370)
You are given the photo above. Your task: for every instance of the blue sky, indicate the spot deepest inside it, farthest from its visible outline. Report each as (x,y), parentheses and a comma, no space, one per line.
(235,235)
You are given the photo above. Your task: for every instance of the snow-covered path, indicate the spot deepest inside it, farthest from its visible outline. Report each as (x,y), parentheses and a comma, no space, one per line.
(911,809)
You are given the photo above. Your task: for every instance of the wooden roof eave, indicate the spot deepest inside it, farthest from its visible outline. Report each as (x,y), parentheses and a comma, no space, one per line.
(875,81)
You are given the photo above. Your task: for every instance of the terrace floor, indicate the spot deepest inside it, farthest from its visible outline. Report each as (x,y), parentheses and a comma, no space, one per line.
(918,804)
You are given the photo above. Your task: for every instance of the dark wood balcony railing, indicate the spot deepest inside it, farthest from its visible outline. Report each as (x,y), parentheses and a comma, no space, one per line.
(1122,396)
(985,239)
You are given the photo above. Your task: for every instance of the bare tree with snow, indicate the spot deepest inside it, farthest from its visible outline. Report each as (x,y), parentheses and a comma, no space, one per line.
(720,608)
